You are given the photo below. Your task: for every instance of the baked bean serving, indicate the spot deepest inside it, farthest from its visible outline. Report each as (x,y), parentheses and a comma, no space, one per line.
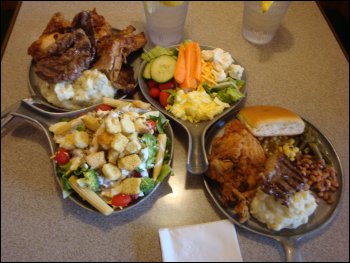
(321,178)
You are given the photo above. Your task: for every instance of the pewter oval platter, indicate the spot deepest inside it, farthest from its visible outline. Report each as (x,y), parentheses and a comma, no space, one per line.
(133,61)
(197,162)
(29,111)
(289,238)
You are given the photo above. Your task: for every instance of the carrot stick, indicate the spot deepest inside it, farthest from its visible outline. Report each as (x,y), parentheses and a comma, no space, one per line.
(198,69)
(180,68)
(190,81)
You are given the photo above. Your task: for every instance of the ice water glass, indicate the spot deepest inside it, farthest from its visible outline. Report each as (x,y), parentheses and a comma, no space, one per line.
(260,27)
(165,21)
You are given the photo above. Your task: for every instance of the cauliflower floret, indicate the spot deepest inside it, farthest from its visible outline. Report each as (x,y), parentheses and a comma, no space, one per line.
(222,61)
(207,55)
(235,71)
(219,75)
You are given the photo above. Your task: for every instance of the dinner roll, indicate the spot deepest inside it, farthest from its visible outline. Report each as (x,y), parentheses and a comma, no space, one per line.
(264,121)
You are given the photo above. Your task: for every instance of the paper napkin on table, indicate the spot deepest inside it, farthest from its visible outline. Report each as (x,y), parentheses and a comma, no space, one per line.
(215,241)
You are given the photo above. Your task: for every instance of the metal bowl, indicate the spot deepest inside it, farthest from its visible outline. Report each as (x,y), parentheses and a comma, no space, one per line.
(25,109)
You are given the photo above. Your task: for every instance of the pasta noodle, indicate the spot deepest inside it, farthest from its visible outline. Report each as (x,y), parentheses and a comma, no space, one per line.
(91,197)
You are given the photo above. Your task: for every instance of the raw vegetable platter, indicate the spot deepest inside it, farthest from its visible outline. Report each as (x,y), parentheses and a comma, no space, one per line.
(232,91)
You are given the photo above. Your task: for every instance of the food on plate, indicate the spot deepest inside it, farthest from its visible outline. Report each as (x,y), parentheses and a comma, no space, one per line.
(276,216)
(114,155)
(279,179)
(87,90)
(271,121)
(193,84)
(65,50)
(237,162)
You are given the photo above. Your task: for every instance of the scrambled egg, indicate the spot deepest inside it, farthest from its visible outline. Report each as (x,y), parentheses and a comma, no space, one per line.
(196,106)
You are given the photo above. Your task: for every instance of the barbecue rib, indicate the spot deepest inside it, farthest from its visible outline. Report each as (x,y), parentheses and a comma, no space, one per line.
(65,50)
(113,50)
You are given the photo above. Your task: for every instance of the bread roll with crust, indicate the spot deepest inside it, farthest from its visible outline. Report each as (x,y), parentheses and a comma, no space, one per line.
(264,121)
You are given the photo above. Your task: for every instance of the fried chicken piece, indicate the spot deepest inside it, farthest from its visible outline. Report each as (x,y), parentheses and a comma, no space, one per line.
(237,162)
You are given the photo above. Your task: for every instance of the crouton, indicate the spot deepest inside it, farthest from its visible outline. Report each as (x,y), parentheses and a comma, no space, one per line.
(131,186)
(112,156)
(129,162)
(119,142)
(96,160)
(113,125)
(105,139)
(140,126)
(81,139)
(133,147)
(127,125)
(111,172)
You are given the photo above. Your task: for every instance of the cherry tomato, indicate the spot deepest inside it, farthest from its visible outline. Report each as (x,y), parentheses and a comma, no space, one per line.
(152,84)
(151,124)
(103,107)
(62,156)
(168,85)
(163,98)
(154,93)
(121,200)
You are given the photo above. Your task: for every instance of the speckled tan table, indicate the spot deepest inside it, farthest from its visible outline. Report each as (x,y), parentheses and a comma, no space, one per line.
(303,69)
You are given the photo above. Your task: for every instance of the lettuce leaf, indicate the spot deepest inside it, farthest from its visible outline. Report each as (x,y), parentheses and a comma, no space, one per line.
(157,52)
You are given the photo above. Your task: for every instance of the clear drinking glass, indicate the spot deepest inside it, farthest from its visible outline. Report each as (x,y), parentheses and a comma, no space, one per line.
(165,21)
(260,27)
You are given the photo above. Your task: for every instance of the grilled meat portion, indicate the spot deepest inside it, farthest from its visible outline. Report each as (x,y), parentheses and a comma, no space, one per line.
(112,51)
(54,29)
(69,56)
(65,50)
(126,80)
(282,179)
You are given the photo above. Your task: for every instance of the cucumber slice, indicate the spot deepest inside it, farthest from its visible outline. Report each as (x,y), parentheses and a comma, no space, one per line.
(162,68)
(147,70)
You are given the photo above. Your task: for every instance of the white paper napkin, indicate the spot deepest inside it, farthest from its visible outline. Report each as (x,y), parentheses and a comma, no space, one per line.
(215,241)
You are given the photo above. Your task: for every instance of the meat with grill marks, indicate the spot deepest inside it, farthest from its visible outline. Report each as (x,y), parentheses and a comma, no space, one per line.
(69,56)
(282,179)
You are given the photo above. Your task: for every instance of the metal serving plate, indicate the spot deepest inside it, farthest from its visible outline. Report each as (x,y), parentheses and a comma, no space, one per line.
(133,60)
(25,109)
(197,162)
(289,238)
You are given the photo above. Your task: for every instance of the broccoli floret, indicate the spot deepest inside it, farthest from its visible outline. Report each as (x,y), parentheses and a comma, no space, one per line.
(147,185)
(89,180)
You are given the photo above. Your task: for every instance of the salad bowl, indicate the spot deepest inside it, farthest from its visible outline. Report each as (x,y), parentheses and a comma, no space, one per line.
(197,162)
(28,111)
